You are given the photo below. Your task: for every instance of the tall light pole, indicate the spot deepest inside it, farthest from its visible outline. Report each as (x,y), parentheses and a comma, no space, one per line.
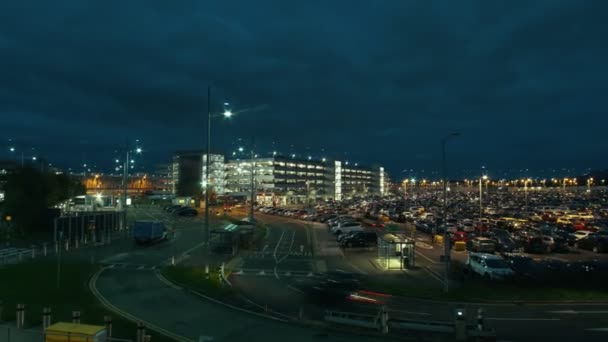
(446,239)
(227,114)
(481,179)
(526,189)
(125,186)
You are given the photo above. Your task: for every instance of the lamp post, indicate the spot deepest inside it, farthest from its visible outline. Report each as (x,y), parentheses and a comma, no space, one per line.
(226,114)
(589,182)
(446,240)
(125,186)
(481,179)
(526,189)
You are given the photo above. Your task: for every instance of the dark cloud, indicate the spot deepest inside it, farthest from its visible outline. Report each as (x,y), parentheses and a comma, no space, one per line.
(380,81)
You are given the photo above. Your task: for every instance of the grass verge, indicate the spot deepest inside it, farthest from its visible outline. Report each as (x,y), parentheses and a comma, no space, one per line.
(34,284)
(194,278)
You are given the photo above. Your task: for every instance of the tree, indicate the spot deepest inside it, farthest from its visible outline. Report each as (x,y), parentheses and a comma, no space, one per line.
(29,193)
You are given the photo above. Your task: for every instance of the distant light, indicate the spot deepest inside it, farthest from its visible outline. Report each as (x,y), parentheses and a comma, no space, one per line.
(240,149)
(132,161)
(138,150)
(34,158)
(12,149)
(323,160)
(227,114)
(98,195)
(356,164)
(84,165)
(346,163)
(293,156)
(118,161)
(116,169)
(274,153)
(255,156)
(309,157)
(233,153)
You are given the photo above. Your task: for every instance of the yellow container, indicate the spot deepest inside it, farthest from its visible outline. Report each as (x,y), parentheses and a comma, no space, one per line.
(438,239)
(64,332)
(460,246)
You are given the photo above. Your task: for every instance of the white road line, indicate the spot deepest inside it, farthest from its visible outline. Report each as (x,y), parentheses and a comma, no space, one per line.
(276,248)
(521,319)
(427,258)
(293,238)
(294,289)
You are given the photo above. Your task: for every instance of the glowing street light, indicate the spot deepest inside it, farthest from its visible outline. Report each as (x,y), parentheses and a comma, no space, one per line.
(12,149)
(241,149)
(138,150)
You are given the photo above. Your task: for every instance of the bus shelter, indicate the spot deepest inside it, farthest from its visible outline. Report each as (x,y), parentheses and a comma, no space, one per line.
(396,251)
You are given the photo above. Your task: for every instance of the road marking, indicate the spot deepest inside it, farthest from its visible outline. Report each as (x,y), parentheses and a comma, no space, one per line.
(521,319)
(276,248)
(294,289)
(128,316)
(427,258)
(433,274)
(573,312)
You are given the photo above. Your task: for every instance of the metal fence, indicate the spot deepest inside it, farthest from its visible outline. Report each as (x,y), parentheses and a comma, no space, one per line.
(86,227)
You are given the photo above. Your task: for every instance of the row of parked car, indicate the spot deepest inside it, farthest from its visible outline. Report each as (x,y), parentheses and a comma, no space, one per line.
(348,230)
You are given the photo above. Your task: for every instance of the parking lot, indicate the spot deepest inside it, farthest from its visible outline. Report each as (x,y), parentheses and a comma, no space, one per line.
(548,230)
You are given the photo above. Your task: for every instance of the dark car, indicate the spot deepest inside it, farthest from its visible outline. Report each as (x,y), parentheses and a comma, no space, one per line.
(534,244)
(360,239)
(186,212)
(505,244)
(172,208)
(593,242)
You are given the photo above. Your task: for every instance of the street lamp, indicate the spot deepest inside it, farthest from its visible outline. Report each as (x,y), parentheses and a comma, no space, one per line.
(446,240)
(227,114)
(481,179)
(526,181)
(125,175)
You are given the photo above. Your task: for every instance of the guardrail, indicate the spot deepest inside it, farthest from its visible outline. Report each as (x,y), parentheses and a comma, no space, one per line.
(352,318)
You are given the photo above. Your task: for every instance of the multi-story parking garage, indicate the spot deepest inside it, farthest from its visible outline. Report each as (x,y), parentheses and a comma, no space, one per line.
(278,179)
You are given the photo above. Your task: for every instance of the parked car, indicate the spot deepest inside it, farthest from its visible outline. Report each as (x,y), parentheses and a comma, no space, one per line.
(347,227)
(594,242)
(482,245)
(359,239)
(579,234)
(187,211)
(489,266)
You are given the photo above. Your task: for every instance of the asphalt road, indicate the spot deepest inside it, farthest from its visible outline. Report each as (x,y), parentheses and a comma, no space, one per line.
(132,284)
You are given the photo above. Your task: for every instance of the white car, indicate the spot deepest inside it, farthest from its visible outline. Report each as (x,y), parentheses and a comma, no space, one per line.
(489,266)
(347,228)
(579,234)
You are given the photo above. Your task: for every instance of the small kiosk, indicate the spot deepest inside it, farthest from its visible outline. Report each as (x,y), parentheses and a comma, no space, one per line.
(72,332)
(396,251)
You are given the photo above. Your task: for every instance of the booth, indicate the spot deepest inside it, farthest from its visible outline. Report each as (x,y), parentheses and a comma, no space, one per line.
(396,251)
(72,332)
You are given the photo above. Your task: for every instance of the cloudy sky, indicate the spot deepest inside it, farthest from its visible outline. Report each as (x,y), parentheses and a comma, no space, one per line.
(378,82)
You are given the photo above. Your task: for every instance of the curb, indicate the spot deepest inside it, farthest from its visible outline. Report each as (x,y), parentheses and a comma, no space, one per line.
(126,315)
(177,285)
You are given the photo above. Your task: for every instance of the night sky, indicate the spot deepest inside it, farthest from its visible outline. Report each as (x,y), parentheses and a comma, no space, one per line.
(374,82)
